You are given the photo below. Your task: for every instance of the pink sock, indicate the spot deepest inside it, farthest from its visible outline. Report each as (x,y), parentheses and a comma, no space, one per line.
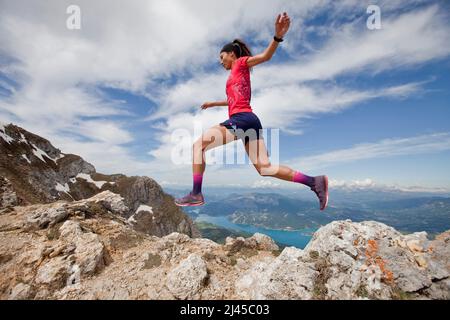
(197,188)
(303,178)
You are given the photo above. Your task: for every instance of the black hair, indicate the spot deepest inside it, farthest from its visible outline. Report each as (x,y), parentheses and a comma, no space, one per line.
(239,47)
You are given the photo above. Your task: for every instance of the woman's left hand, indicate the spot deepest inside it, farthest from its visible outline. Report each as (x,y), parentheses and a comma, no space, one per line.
(282,25)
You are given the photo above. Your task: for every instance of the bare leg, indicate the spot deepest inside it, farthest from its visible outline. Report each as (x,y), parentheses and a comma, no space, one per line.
(212,138)
(257,153)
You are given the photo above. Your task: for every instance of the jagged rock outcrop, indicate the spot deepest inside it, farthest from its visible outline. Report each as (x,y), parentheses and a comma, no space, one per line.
(33,171)
(86,249)
(187,279)
(8,197)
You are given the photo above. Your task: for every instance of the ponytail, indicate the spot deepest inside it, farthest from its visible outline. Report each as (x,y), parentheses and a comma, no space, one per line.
(239,48)
(245,50)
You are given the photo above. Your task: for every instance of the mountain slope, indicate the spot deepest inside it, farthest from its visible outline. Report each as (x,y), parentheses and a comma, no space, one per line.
(33,171)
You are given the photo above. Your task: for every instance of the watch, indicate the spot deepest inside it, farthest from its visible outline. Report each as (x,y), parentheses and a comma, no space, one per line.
(278,39)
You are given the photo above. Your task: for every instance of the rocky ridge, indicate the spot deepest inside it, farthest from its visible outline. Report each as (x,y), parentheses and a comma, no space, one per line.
(86,249)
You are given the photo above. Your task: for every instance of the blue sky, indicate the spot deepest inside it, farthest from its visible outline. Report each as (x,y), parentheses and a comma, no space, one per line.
(366,107)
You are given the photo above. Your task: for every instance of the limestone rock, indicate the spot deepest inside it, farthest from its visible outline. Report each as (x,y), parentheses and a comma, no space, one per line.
(263,242)
(286,277)
(186,280)
(89,250)
(8,196)
(371,259)
(53,273)
(47,216)
(112,201)
(21,291)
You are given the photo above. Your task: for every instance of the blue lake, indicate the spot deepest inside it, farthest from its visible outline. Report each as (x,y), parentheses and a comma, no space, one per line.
(296,238)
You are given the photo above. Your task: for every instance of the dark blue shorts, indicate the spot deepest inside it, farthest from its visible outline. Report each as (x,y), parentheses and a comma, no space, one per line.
(240,124)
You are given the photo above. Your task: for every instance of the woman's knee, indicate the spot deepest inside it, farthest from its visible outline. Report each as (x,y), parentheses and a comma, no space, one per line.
(266,169)
(199,145)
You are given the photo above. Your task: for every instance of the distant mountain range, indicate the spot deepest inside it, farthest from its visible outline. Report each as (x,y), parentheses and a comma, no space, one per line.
(276,211)
(339,196)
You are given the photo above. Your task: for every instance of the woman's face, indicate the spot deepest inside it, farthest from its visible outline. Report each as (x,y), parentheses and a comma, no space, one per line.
(226,59)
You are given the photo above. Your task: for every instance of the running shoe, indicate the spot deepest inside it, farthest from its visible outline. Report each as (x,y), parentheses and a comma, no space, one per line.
(190,200)
(320,188)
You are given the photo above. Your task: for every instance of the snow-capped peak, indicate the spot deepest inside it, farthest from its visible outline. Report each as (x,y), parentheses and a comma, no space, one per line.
(3,134)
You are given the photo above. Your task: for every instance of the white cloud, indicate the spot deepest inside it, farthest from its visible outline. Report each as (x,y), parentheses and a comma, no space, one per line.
(370,184)
(366,183)
(291,101)
(139,46)
(391,147)
(265,184)
(283,88)
(353,48)
(297,102)
(131,47)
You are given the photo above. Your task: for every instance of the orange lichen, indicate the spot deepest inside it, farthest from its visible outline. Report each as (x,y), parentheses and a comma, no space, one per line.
(388,275)
(372,248)
(374,259)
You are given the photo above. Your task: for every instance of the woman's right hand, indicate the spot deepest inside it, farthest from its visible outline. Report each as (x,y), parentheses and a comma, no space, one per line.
(207,105)
(282,25)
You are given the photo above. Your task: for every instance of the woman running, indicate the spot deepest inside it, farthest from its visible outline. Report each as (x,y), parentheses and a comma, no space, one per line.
(244,124)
